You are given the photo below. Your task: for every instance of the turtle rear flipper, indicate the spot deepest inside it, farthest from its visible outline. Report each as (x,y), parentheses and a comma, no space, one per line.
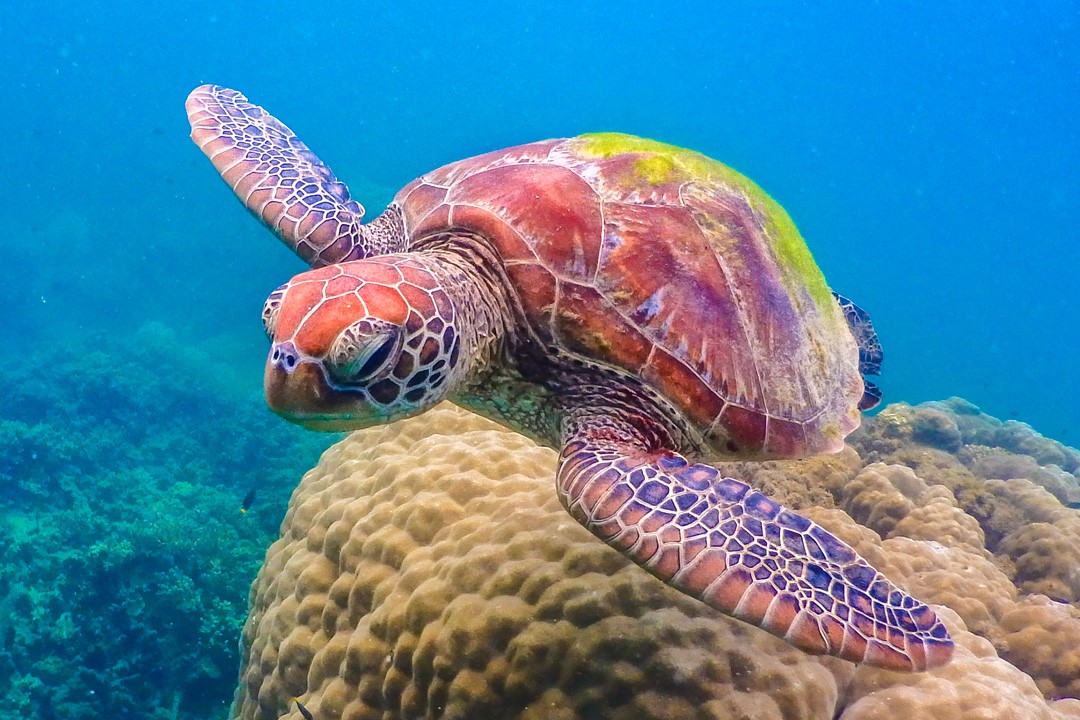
(283,183)
(870,353)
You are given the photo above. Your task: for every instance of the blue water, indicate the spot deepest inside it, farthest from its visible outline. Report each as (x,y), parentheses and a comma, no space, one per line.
(928,152)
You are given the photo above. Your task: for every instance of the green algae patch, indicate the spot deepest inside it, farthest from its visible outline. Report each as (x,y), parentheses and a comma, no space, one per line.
(607,144)
(792,254)
(661,163)
(656,168)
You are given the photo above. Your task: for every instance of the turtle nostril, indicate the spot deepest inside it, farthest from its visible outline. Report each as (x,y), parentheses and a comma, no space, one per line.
(285,356)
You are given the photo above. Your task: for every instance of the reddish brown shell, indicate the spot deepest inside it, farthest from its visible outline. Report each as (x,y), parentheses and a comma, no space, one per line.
(669,266)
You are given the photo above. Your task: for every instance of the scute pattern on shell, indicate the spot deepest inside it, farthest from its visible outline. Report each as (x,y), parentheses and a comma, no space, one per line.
(667,266)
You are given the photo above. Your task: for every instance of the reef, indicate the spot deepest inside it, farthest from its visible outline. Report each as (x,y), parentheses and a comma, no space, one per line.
(426,569)
(124,559)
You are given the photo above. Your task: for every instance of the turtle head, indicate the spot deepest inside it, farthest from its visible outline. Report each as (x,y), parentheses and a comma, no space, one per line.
(360,344)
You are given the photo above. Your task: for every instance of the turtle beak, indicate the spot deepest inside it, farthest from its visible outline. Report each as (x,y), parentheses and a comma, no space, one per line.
(294,385)
(297,390)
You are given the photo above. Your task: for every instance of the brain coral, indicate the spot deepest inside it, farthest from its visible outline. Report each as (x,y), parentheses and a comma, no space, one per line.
(427,570)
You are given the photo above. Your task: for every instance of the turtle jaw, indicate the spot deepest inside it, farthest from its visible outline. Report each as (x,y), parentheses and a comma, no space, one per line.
(325,423)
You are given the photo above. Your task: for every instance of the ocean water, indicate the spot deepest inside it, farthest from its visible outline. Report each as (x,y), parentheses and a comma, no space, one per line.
(928,152)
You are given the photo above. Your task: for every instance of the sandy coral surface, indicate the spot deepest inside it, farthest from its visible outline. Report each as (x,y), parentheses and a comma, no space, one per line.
(427,570)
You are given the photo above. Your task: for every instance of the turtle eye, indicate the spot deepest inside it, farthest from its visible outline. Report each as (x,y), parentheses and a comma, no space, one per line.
(270,311)
(364,351)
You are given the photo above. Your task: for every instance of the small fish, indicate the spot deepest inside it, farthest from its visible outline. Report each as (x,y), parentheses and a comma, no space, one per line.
(1075,505)
(303,710)
(248,500)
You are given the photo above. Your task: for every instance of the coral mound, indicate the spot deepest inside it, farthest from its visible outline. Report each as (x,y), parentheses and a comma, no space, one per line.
(427,570)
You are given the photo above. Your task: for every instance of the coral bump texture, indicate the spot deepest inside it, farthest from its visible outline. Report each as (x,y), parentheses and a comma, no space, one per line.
(427,570)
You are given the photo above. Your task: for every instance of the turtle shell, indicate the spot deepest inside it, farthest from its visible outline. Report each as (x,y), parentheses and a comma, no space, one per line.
(669,266)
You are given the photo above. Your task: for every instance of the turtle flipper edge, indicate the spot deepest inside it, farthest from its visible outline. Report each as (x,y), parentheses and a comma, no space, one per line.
(281,181)
(745,555)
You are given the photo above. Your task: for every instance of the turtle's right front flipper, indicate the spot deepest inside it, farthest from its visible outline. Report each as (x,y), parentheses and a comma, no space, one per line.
(870,354)
(740,552)
(283,183)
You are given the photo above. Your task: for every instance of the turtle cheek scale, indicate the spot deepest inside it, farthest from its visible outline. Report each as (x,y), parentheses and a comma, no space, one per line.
(271,310)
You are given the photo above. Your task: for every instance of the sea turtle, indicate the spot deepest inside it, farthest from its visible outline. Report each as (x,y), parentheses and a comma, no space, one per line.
(636,306)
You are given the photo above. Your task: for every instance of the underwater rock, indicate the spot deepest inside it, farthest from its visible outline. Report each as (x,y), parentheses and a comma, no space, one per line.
(426,569)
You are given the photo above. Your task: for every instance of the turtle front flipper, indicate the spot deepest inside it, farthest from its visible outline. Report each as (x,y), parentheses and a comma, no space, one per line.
(738,551)
(283,183)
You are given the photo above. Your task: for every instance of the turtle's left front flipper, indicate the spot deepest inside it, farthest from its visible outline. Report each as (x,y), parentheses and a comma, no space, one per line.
(740,552)
(283,183)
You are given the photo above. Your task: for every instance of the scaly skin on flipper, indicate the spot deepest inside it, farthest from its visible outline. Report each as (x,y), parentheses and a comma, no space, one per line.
(283,183)
(627,302)
(736,550)
(870,353)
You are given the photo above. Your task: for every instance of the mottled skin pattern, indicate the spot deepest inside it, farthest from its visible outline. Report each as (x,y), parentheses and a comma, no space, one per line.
(283,183)
(635,306)
(870,354)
